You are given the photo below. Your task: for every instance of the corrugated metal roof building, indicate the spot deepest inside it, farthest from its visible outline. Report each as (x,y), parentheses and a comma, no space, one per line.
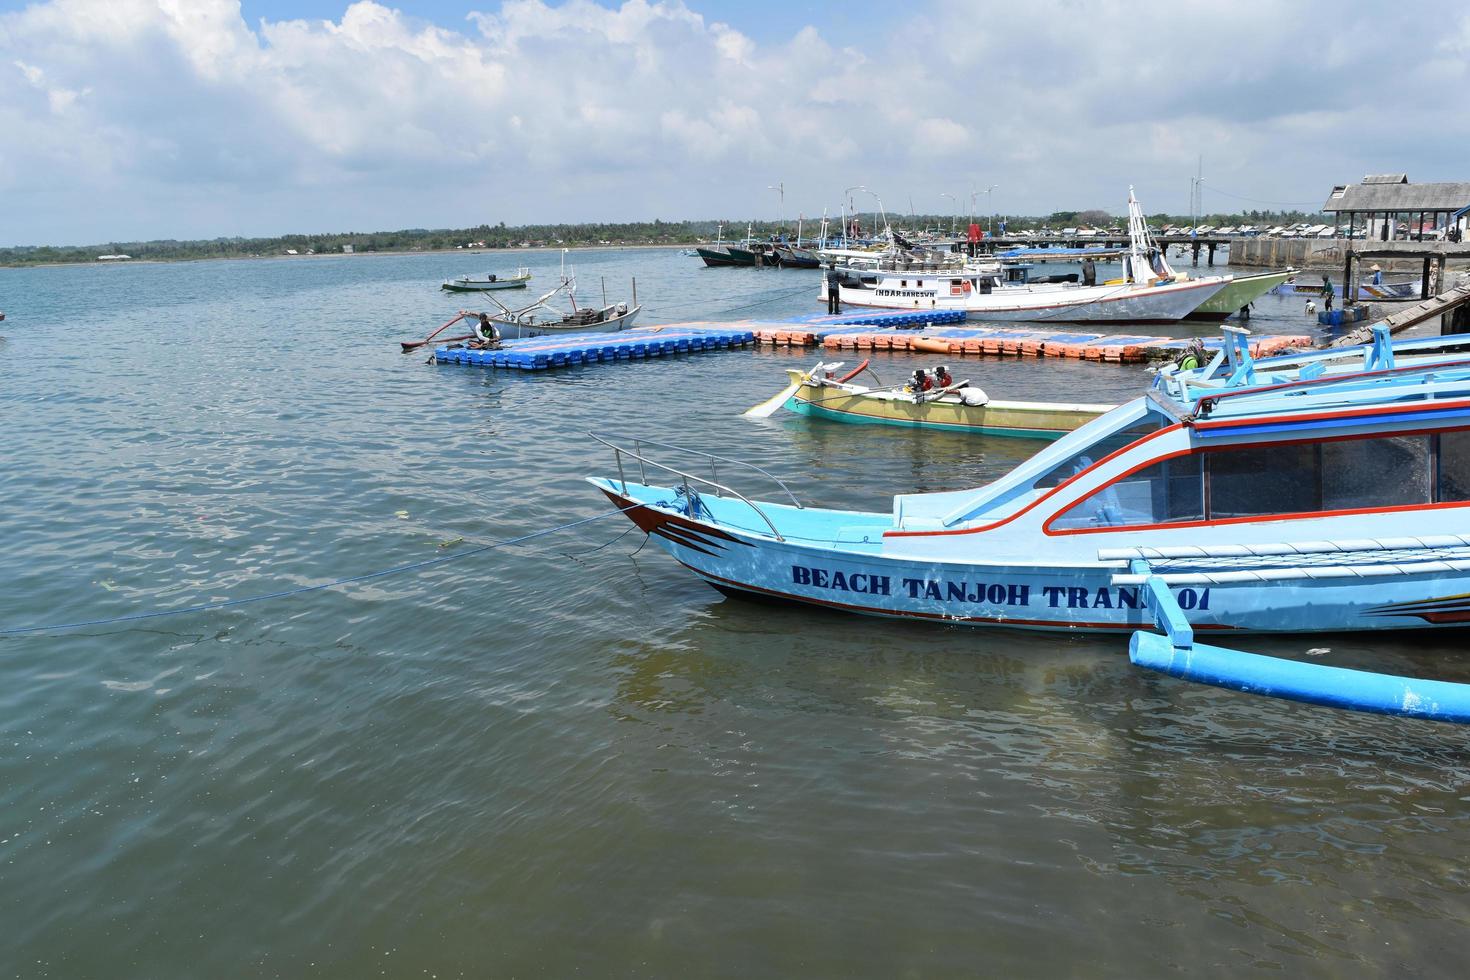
(1380,200)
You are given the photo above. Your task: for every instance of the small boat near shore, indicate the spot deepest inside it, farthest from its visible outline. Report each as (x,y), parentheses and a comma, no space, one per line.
(961,407)
(1318,492)
(470,284)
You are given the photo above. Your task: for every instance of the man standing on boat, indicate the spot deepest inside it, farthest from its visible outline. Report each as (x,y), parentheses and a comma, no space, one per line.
(1089,272)
(834,297)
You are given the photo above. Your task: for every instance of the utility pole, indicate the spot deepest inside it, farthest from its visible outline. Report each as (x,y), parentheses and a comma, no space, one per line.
(882,212)
(851,208)
(1197,193)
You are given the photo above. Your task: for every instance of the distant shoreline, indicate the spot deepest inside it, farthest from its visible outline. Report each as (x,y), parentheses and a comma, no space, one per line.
(546,249)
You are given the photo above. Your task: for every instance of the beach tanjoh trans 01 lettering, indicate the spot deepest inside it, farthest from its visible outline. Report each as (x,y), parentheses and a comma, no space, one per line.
(991,594)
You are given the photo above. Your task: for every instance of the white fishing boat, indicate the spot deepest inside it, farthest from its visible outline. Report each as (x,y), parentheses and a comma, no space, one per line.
(1149,291)
(472,284)
(541,317)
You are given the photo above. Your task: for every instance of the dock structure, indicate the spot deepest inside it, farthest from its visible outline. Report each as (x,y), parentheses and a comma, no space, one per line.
(1451,306)
(808,330)
(926,332)
(996,342)
(639,343)
(932,332)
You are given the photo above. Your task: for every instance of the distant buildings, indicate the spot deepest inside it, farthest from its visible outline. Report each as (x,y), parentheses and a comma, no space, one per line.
(1386,207)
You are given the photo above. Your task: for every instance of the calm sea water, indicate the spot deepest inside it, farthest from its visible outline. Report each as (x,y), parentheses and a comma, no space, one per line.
(571,757)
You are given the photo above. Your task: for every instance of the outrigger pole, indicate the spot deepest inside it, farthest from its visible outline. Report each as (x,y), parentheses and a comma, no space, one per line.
(1177,654)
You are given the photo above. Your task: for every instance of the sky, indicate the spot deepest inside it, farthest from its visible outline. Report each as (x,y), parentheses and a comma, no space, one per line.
(123,120)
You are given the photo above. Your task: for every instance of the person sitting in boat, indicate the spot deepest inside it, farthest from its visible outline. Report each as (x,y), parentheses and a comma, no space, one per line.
(486,333)
(1193,356)
(942,378)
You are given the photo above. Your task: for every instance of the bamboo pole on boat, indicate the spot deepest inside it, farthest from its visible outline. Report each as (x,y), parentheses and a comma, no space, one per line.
(411,345)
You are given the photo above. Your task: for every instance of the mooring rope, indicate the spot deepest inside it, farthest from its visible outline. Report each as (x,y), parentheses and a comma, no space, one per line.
(381,573)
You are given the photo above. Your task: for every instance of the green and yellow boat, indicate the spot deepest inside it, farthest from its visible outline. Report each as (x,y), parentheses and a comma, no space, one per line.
(961,407)
(1238,293)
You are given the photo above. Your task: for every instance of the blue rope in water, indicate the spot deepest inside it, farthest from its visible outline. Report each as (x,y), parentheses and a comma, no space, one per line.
(382,573)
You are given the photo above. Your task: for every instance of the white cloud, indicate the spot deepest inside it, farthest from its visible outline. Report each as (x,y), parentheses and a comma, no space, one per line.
(135,118)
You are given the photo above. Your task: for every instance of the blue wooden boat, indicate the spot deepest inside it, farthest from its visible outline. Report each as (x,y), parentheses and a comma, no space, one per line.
(1325,491)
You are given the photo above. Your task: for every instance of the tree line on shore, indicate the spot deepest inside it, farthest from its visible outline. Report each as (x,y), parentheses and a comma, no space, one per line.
(592,234)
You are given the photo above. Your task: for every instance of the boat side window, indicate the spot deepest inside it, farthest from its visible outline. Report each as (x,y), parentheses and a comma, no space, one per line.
(1257,480)
(1393,471)
(1279,479)
(1166,492)
(1454,465)
(1105,446)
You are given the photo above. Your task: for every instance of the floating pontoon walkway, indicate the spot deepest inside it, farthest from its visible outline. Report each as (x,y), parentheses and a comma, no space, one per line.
(541,353)
(999,342)
(810,329)
(924,332)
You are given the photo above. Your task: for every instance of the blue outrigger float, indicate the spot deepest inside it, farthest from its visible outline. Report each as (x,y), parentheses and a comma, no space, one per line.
(1317,492)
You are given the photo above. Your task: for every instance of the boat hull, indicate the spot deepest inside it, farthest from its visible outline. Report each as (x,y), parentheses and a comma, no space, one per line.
(743,256)
(482,285)
(1239,292)
(1057,303)
(1023,420)
(717,258)
(515,331)
(795,258)
(733,558)
(1389,291)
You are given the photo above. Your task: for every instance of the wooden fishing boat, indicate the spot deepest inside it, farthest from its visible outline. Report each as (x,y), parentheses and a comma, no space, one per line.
(748,254)
(1327,491)
(470,284)
(1406,289)
(541,317)
(604,319)
(717,256)
(1239,292)
(959,408)
(792,257)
